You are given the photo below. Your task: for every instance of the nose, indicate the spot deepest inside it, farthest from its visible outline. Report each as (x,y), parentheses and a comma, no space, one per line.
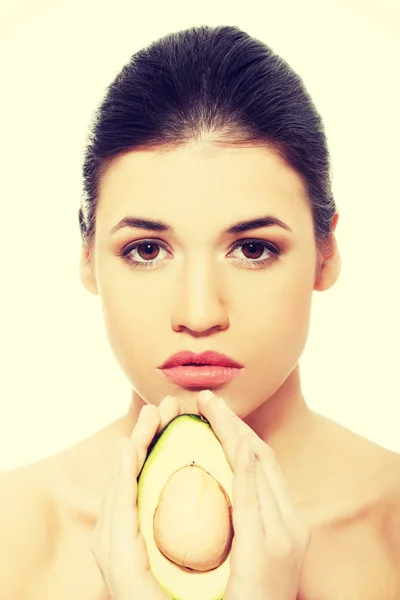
(200,305)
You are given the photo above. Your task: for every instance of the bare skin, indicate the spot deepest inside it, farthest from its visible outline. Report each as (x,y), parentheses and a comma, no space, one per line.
(196,298)
(351,509)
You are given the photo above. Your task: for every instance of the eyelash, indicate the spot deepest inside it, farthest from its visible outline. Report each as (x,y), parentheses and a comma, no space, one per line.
(253,264)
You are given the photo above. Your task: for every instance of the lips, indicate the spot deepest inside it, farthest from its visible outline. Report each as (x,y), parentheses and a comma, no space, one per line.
(204,370)
(201,359)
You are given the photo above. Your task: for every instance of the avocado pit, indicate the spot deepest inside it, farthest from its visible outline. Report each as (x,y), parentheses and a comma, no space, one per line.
(192,523)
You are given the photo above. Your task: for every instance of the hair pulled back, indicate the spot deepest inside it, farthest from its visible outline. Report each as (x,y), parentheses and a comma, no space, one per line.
(216,84)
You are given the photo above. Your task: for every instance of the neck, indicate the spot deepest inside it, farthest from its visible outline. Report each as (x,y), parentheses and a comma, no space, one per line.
(293,431)
(284,421)
(304,443)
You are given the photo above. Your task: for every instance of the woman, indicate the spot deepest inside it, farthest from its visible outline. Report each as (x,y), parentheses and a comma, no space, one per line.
(207,223)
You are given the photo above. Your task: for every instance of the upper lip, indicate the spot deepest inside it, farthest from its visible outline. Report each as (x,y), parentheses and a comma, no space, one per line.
(203,358)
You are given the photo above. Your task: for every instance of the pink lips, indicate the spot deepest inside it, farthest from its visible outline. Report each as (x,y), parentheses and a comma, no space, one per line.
(203,358)
(205,370)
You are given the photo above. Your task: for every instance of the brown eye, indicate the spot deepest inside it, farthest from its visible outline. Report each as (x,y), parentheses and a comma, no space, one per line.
(253,250)
(256,254)
(148,250)
(145,254)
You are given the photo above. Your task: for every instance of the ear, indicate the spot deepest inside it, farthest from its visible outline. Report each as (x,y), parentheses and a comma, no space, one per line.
(87,273)
(329,262)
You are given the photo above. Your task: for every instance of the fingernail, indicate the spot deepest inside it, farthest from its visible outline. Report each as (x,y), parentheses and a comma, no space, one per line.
(141,415)
(143,410)
(206,395)
(164,401)
(221,402)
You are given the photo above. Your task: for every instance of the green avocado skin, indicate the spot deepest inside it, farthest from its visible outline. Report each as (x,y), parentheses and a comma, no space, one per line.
(171,424)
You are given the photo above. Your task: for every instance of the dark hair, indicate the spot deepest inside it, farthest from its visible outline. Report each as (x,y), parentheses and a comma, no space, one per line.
(213,81)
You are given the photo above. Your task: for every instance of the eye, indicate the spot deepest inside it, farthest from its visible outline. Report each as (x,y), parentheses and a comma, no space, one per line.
(144,253)
(257,252)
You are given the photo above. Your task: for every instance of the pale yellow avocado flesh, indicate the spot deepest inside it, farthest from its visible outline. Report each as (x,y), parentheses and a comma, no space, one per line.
(186,439)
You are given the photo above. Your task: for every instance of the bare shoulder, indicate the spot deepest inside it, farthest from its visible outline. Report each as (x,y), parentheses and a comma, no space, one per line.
(374,500)
(389,513)
(27,525)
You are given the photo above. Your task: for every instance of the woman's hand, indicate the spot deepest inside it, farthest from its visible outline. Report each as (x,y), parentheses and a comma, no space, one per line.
(270,540)
(117,545)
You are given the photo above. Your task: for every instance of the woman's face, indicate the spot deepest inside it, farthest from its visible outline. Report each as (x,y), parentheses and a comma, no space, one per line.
(204,288)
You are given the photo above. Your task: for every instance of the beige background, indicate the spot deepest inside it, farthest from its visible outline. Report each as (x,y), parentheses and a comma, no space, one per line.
(59,381)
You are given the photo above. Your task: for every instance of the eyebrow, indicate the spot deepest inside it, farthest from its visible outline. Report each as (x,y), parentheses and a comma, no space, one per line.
(256,223)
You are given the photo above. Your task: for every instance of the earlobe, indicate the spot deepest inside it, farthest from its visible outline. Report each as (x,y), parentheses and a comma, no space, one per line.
(329,272)
(330,262)
(87,274)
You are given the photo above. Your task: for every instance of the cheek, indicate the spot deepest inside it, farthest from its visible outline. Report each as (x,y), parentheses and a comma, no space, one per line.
(294,308)
(273,314)
(272,338)
(277,296)
(132,320)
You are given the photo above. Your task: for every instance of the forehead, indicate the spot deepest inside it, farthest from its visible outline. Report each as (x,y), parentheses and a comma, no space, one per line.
(199,181)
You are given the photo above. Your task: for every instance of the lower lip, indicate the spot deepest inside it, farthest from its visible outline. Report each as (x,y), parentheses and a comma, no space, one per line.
(206,376)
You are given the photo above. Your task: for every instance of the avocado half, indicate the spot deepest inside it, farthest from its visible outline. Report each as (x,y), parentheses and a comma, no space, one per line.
(187,442)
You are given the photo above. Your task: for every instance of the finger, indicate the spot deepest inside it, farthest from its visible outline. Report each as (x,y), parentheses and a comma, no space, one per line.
(270,508)
(125,562)
(225,423)
(144,431)
(246,515)
(265,454)
(210,404)
(125,489)
(103,522)
(169,408)
(277,483)
(100,536)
